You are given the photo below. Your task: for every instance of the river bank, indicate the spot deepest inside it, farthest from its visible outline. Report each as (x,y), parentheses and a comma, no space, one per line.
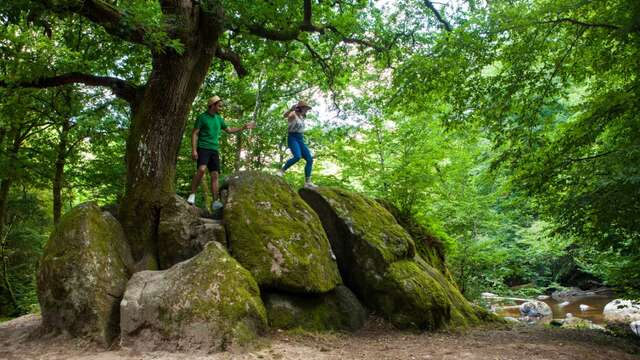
(376,340)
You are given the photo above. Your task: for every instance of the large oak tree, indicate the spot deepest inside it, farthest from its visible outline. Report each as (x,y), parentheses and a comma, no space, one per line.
(181,39)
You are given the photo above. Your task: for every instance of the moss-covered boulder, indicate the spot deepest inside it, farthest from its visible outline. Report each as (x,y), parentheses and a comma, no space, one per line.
(183,232)
(378,261)
(274,234)
(364,236)
(428,241)
(83,274)
(209,302)
(338,309)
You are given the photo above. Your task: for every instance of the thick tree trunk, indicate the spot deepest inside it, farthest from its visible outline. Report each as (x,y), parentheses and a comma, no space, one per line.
(158,123)
(58,177)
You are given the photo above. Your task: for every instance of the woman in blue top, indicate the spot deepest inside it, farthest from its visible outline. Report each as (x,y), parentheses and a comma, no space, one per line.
(295,140)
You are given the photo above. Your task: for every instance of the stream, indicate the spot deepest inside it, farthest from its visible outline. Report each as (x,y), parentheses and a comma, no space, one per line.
(596,305)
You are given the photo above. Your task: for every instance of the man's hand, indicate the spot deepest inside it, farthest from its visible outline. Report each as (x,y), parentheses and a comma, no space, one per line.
(250,125)
(194,154)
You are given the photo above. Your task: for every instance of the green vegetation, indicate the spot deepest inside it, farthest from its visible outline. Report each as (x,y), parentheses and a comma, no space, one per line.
(508,129)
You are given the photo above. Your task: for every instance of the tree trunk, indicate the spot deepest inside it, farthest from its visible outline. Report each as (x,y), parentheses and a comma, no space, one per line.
(58,178)
(5,269)
(7,181)
(158,122)
(238,161)
(5,185)
(383,170)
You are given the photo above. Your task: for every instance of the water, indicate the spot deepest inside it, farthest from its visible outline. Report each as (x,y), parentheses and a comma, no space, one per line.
(596,305)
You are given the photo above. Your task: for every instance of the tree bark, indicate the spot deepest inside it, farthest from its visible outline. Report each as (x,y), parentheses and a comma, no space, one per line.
(158,123)
(5,269)
(7,181)
(238,160)
(58,177)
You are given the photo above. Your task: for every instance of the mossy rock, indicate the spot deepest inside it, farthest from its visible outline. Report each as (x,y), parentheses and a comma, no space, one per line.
(428,244)
(208,303)
(274,234)
(378,261)
(183,232)
(364,236)
(336,310)
(83,273)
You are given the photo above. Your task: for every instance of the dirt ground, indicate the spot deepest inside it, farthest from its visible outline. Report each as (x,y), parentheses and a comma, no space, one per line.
(375,341)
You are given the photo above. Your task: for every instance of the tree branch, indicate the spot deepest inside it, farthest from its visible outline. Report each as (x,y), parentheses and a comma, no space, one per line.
(326,68)
(581,23)
(289,34)
(120,88)
(281,35)
(439,16)
(591,157)
(233,58)
(104,14)
(293,33)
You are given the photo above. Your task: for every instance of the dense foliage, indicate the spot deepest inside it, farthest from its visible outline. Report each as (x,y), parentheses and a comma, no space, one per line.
(510,128)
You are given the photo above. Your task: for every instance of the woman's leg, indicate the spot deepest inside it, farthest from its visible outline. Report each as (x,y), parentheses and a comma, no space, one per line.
(306,154)
(294,146)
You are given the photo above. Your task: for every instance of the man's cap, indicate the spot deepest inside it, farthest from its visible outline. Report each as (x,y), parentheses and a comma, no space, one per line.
(302,104)
(213,100)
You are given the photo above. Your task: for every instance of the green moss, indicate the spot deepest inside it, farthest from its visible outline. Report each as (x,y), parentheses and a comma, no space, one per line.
(244,334)
(336,310)
(277,236)
(415,299)
(406,282)
(371,222)
(427,238)
(84,270)
(218,275)
(210,300)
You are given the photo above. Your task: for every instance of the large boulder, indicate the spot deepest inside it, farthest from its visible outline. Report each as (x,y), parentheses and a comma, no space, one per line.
(364,236)
(429,244)
(378,261)
(183,232)
(619,314)
(209,303)
(83,273)
(274,234)
(336,310)
(623,311)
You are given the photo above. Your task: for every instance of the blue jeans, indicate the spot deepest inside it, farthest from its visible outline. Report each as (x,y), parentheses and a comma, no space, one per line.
(299,150)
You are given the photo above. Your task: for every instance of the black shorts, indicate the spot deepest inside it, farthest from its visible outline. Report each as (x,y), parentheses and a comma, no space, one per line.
(211,158)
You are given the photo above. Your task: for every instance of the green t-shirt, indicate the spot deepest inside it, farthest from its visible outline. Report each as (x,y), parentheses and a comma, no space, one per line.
(210,126)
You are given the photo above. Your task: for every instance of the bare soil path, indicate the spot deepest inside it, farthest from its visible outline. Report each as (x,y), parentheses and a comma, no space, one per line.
(19,339)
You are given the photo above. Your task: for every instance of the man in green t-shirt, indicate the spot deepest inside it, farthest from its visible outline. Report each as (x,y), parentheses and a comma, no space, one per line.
(205,147)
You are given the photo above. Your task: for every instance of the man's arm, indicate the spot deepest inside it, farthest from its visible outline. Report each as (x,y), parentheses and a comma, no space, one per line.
(231,130)
(194,143)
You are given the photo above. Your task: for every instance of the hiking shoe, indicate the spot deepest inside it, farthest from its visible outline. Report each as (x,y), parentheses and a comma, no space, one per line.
(310,185)
(191,199)
(280,173)
(217,205)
